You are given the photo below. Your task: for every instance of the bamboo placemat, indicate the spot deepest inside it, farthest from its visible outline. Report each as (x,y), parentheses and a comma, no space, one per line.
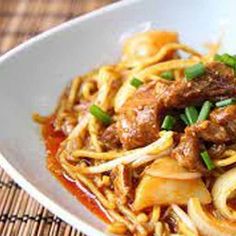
(21,215)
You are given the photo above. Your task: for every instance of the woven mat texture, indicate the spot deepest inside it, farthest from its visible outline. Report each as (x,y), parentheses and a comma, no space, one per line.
(21,215)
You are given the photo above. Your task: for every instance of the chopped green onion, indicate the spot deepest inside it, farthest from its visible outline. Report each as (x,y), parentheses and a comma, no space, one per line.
(191,114)
(136,82)
(168,122)
(207,160)
(217,57)
(194,71)
(184,118)
(100,114)
(168,75)
(226,59)
(226,102)
(205,111)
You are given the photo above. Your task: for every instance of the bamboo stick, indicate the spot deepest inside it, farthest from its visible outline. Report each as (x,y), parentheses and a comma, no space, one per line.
(26,213)
(10,222)
(68,230)
(29,223)
(37,214)
(6,203)
(22,204)
(42,223)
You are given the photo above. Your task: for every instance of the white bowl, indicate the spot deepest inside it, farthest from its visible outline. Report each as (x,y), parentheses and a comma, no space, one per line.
(33,75)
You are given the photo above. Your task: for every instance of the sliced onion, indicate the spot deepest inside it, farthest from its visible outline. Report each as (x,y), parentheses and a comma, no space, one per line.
(165,142)
(167,168)
(153,190)
(184,218)
(148,158)
(79,128)
(183,176)
(226,161)
(223,189)
(207,224)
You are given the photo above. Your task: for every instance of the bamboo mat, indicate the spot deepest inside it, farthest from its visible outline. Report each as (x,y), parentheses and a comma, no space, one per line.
(21,215)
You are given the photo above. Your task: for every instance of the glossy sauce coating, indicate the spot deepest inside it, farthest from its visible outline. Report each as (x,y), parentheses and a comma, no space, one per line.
(52,140)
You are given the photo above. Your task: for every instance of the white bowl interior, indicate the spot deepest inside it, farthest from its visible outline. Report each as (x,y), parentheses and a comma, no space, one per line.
(33,76)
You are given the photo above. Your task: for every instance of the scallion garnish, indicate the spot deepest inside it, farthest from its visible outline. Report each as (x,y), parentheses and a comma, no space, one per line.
(226,102)
(168,75)
(168,122)
(194,71)
(226,59)
(205,111)
(136,82)
(207,160)
(184,118)
(191,114)
(217,57)
(100,114)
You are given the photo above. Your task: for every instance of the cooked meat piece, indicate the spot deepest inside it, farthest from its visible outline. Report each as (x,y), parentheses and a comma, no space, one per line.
(187,152)
(110,137)
(138,123)
(122,180)
(218,82)
(139,119)
(209,131)
(217,150)
(220,129)
(226,117)
(160,88)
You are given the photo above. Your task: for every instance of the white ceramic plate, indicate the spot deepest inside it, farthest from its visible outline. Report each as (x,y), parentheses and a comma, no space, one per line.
(33,75)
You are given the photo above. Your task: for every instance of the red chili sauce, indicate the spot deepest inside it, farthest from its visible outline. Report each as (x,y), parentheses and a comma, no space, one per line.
(52,140)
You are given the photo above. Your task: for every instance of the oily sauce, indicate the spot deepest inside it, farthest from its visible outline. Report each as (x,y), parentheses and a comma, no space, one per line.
(52,140)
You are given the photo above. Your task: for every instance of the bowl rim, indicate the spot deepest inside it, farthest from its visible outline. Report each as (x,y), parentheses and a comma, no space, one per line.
(67,24)
(14,173)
